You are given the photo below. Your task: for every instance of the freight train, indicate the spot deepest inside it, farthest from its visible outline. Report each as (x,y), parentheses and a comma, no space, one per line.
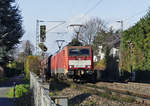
(75,62)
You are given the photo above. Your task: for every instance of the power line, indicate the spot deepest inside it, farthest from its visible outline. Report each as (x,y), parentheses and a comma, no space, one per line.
(92,8)
(135,15)
(55,26)
(88,11)
(130,17)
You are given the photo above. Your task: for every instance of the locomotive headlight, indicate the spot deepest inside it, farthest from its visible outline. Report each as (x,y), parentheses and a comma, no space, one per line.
(82,72)
(71,66)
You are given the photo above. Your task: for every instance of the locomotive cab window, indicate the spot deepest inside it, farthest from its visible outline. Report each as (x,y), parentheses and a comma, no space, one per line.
(79,52)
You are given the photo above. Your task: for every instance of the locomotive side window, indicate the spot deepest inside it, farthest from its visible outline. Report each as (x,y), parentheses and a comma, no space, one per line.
(79,52)
(63,53)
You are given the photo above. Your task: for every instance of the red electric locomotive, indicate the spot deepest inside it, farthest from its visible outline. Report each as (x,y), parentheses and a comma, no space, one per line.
(72,61)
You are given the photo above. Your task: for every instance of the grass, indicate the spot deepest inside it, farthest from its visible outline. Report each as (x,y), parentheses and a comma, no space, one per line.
(93,103)
(52,93)
(73,86)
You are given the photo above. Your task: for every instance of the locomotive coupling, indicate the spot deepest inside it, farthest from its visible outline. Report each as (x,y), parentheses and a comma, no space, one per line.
(70,72)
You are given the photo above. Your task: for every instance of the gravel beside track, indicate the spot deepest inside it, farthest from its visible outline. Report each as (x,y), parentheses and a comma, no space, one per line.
(81,98)
(81,94)
(130,86)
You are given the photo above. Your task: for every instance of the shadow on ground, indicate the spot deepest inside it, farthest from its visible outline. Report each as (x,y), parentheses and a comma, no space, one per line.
(79,98)
(6,102)
(58,85)
(10,83)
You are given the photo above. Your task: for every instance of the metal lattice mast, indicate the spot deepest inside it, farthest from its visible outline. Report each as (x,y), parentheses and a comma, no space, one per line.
(37,37)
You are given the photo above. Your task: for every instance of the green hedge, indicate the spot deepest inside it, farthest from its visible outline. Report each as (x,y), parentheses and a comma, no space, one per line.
(32,64)
(13,68)
(135,48)
(143,76)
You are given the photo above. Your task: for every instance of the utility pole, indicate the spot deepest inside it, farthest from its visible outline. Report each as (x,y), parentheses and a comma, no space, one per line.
(121,22)
(37,37)
(121,34)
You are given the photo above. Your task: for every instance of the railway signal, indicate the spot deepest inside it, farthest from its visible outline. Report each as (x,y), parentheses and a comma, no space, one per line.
(42,33)
(43,47)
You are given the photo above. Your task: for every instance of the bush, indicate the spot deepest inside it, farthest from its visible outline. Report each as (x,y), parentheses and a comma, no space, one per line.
(100,65)
(10,72)
(32,64)
(13,68)
(143,76)
(20,90)
(15,64)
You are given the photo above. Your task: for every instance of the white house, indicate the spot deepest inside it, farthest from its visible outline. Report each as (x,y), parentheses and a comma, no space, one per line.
(114,51)
(100,54)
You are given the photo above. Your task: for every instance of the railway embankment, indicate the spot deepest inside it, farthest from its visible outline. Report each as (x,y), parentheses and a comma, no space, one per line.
(101,93)
(138,91)
(135,88)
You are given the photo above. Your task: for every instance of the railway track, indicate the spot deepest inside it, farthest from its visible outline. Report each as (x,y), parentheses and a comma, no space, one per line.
(139,98)
(108,90)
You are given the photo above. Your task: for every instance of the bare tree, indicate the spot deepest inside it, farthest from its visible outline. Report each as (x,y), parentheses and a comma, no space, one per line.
(93,26)
(28,48)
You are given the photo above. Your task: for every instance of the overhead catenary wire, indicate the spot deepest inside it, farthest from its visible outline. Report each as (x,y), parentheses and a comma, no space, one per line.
(88,11)
(55,27)
(93,7)
(136,14)
(129,17)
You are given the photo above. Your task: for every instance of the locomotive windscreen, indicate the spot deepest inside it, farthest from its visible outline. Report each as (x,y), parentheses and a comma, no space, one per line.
(79,52)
